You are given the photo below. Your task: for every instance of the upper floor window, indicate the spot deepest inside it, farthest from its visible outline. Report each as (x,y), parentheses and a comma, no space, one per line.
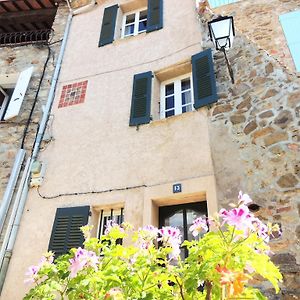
(134,23)
(217,3)
(176,96)
(289,23)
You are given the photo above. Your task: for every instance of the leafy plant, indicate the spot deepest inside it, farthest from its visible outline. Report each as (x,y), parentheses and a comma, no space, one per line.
(220,263)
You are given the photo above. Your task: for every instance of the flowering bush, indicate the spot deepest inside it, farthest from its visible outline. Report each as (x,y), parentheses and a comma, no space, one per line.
(220,264)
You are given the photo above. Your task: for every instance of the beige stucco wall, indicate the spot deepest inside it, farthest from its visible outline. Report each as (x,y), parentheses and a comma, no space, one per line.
(94,149)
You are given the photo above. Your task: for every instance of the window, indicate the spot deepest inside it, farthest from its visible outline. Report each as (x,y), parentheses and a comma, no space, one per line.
(134,23)
(105,216)
(4,97)
(176,97)
(289,23)
(137,18)
(182,217)
(217,3)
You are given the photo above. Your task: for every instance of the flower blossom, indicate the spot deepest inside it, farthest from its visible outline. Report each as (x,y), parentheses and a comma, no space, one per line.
(170,237)
(32,271)
(240,217)
(111,225)
(199,226)
(146,236)
(82,259)
(233,280)
(244,198)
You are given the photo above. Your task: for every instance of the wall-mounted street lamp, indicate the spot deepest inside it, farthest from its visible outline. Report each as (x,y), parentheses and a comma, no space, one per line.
(221,31)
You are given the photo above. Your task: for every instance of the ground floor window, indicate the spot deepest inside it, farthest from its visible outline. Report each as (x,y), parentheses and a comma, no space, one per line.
(182,217)
(105,216)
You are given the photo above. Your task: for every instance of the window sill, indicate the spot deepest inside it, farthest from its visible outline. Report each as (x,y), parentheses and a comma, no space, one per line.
(129,38)
(171,119)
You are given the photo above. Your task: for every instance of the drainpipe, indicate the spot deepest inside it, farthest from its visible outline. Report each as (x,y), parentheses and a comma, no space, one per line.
(9,191)
(15,219)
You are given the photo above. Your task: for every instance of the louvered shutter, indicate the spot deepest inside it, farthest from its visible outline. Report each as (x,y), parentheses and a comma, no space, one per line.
(141,99)
(66,233)
(108,25)
(204,81)
(18,95)
(155,15)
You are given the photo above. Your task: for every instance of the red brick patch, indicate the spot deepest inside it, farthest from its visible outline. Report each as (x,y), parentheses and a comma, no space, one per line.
(73,94)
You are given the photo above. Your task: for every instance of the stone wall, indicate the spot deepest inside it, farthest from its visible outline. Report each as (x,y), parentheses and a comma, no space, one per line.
(14,60)
(255,143)
(259,21)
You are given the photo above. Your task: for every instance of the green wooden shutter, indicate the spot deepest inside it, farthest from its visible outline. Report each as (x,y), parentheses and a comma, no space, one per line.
(204,81)
(108,25)
(66,233)
(155,15)
(141,99)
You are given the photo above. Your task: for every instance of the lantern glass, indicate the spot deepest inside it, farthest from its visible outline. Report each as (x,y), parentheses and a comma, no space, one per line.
(222,32)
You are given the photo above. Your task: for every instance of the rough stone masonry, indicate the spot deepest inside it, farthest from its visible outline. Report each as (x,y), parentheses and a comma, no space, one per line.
(255,132)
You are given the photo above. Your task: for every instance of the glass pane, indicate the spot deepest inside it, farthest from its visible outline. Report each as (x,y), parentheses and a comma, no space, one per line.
(142,25)
(170,113)
(186,97)
(185,84)
(143,14)
(129,29)
(169,102)
(169,89)
(176,220)
(191,215)
(187,108)
(130,19)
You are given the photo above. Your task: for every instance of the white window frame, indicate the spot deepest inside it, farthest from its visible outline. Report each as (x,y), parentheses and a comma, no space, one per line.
(4,104)
(136,22)
(119,212)
(177,94)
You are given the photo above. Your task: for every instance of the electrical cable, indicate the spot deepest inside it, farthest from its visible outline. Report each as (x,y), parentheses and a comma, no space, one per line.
(35,99)
(132,66)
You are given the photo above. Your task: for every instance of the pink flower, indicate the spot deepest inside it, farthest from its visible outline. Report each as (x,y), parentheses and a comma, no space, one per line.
(244,198)
(239,217)
(82,259)
(199,226)
(146,236)
(32,273)
(170,237)
(112,225)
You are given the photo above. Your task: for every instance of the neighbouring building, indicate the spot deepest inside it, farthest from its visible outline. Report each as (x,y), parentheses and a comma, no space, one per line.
(148,128)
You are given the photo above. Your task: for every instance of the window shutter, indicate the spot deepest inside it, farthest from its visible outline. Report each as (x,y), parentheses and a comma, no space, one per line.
(155,15)
(108,25)
(141,99)
(289,22)
(17,97)
(204,81)
(66,233)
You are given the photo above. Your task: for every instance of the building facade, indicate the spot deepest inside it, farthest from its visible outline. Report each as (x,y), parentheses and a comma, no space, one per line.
(148,128)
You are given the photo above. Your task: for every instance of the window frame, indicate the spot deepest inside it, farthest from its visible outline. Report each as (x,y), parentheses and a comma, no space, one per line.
(136,22)
(109,212)
(4,104)
(177,95)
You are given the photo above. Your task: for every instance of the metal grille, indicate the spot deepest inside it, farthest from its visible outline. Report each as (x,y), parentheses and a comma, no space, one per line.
(25,37)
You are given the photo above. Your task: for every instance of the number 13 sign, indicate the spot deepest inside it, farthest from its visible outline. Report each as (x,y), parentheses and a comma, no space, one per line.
(177,188)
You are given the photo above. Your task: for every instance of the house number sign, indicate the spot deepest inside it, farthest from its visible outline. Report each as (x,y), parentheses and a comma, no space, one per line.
(177,188)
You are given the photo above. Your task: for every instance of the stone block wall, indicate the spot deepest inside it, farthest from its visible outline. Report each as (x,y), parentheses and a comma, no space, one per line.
(14,60)
(258,20)
(255,144)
